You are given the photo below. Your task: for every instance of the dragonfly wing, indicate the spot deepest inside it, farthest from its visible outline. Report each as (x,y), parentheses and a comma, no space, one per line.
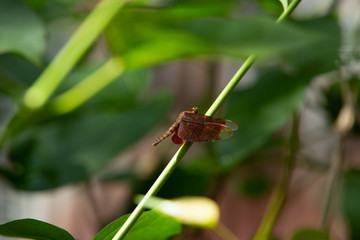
(203,132)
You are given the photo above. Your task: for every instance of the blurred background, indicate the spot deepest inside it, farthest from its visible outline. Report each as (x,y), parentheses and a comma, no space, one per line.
(297,106)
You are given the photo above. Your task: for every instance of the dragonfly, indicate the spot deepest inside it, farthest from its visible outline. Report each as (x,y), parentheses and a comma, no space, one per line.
(194,127)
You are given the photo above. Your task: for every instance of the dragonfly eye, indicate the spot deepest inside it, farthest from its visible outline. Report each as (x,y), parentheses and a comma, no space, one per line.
(194,109)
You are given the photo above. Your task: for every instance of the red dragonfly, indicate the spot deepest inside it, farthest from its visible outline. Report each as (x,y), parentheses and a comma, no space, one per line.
(194,127)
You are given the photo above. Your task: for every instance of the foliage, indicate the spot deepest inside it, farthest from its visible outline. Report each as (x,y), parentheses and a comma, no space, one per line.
(151,225)
(64,118)
(34,229)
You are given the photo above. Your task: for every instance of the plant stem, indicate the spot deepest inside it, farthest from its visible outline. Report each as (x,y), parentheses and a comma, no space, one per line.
(231,85)
(152,191)
(288,11)
(181,152)
(344,123)
(278,195)
(185,147)
(224,233)
(37,95)
(85,89)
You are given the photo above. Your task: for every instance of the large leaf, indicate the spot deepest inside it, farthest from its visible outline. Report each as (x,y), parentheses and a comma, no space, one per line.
(261,109)
(350,201)
(21,31)
(258,112)
(34,229)
(71,149)
(151,225)
(150,36)
(322,56)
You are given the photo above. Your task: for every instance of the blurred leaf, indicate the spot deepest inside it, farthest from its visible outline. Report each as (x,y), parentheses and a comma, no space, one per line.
(263,108)
(271,6)
(313,234)
(350,201)
(50,10)
(37,5)
(21,31)
(150,36)
(151,225)
(254,186)
(322,56)
(16,74)
(250,35)
(259,111)
(7,111)
(71,149)
(181,183)
(34,229)
(198,8)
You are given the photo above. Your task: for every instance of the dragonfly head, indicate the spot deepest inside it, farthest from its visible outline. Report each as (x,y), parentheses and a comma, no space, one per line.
(194,109)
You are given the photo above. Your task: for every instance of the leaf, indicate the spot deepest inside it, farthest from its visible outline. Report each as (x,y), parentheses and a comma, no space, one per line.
(350,201)
(250,35)
(7,111)
(21,31)
(271,6)
(75,147)
(322,56)
(181,183)
(34,229)
(284,3)
(145,37)
(259,111)
(16,75)
(151,225)
(313,234)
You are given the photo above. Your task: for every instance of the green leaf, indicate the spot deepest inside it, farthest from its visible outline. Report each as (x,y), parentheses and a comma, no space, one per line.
(73,148)
(253,186)
(313,234)
(259,111)
(21,31)
(181,183)
(34,229)
(321,56)
(144,37)
(7,111)
(350,201)
(151,225)
(271,6)
(16,75)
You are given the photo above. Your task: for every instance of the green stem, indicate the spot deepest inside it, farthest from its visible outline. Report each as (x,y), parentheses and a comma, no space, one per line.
(231,85)
(152,191)
(37,95)
(181,152)
(85,89)
(184,148)
(288,11)
(278,195)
